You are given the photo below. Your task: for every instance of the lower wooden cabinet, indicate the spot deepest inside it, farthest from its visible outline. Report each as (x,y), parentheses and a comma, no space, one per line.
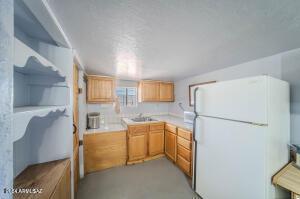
(178,147)
(145,142)
(137,147)
(156,142)
(170,145)
(62,190)
(184,164)
(53,178)
(184,151)
(104,150)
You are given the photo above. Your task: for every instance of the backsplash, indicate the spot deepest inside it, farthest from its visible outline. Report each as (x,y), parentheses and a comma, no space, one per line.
(108,114)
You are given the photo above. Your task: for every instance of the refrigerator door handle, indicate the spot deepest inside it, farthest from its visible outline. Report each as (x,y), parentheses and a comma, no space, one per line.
(198,101)
(195,101)
(197,130)
(194,165)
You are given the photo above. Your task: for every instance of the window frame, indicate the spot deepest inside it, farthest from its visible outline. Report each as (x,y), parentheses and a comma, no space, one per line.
(126,96)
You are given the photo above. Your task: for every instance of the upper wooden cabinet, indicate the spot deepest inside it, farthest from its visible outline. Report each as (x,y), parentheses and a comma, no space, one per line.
(100,89)
(155,91)
(166,91)
(148,91)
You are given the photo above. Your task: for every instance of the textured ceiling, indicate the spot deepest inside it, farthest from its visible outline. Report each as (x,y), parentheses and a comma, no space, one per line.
(173,39)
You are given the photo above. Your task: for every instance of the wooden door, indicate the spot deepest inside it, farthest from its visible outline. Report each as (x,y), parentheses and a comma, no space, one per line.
(170,145)
(75,130)
(166,91)
(100,89)
(149,91)
(156,142)
(137,146)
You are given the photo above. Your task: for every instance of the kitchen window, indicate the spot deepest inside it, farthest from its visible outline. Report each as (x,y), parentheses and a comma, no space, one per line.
(127,96)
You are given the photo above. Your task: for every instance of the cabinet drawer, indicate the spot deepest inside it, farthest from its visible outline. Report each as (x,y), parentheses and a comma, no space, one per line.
(157,131)
(184,134)
(185,143)
(185,153)
(184,165)
(139,129)
(171,128)
(157,126)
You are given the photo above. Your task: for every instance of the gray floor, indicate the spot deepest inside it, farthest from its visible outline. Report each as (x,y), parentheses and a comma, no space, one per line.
(156,179)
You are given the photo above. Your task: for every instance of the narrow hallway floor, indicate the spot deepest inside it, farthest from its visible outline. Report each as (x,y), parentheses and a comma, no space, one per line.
(156,179)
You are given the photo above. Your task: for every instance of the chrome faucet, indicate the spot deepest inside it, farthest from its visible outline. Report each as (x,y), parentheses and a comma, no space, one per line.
(140,115)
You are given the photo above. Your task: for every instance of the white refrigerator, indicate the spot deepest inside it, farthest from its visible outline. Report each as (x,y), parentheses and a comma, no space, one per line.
(241,137)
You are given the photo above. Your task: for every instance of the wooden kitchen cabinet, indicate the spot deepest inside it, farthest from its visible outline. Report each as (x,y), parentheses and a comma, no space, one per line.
(156,142)
(154,91)
(63,190)
(137,142)
(148,91)
(145,142)
(54,178)
(184,151)
(184,164)
(156,139)
(166,91)
(104,150)
(170,145)
(100,89)
(137,147)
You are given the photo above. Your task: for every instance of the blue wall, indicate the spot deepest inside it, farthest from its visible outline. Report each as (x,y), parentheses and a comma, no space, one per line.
(6,105)
(290,67)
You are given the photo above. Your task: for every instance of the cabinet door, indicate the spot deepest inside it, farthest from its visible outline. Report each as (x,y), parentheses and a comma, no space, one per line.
(166,92)
(63,188)
(100,89)
(156,142)
(149,91)
(184,165)
(137,147)
(170,145)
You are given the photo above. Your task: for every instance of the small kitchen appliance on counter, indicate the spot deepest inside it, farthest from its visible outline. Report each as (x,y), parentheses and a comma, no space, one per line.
(94,120)
(189,117)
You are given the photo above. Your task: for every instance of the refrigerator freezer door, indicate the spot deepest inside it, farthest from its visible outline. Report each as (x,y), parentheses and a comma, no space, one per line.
(242,100)
(230,162)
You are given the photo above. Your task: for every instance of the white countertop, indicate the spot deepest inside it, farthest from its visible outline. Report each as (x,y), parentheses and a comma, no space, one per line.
(171,119)
(115,127)
(107,128)
(175,120)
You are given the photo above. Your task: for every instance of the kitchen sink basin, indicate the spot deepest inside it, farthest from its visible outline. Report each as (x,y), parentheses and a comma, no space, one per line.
(143,119)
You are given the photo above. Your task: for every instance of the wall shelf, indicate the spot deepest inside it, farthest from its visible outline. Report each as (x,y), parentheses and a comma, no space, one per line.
(29,62)
(23,115)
